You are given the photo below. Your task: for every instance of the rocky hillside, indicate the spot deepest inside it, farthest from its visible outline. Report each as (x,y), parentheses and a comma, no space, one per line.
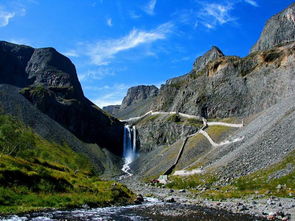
(232,86)
(49,81)
(248,103)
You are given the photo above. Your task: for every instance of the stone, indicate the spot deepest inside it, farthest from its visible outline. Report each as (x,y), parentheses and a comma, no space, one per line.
(139,199)
(279,29)
(139,93)
(170,200)
(49,81)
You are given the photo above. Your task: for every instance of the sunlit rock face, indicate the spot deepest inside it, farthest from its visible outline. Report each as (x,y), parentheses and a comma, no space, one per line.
(279,29)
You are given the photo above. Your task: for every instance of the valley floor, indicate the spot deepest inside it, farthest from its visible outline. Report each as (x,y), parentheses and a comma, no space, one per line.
(260,206)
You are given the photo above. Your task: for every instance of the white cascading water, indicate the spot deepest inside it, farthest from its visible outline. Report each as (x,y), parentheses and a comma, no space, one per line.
(129,148)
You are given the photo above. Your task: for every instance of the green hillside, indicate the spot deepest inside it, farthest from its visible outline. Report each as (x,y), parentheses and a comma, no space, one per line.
(37,174)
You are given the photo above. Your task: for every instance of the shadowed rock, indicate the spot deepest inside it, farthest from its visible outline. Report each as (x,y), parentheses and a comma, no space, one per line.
(49,80)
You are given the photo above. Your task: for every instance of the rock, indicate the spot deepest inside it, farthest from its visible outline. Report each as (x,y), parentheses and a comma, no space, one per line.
(171,191)
(139,199)
(279,187)
(170,200)
(210,55)
(182,191)
(49,81)
(112,109)
(137,94)
(279,29)
(271,216)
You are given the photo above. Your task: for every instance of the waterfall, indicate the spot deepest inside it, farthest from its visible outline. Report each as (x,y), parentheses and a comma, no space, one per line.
(129,147)
(134,139)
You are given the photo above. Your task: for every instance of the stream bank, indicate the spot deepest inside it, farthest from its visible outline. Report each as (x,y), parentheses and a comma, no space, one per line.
(260,207)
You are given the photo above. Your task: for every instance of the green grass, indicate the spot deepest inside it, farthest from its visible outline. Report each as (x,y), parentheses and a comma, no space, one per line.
(38,174)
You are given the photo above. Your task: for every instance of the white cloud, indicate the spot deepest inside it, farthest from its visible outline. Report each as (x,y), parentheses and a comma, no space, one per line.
(114,94)
(109,22)
(20,41)
(150,7)
(5,17)
(71,53)
(252,2)
(134,15)
(96,74)
(103,51)
(213,14)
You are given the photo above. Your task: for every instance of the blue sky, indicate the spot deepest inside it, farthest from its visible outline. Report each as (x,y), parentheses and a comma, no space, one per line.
(116,44)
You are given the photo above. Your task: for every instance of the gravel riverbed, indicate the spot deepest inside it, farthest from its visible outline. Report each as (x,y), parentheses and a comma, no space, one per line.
(272,208)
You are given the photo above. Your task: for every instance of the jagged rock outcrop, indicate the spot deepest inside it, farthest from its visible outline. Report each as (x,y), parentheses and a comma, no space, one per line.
(279,29)
(199,64)
(49,80)
(112,109)
(13,62)
(232,86)
(139,93)
(137,102)
(210,55)
(222,86)
(158,130)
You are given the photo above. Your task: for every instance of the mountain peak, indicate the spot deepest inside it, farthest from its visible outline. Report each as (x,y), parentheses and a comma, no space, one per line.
(210,55)
(279,29)
(139,93)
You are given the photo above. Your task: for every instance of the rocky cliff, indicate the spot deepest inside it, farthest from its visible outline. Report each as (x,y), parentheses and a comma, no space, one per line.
(137,94)
(257,90)
(112,109)
(49,80)
(232,86)
(136,102)
(280,29)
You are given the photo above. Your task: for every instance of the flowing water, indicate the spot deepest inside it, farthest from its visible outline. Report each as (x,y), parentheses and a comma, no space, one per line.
(151,209)
(129,148)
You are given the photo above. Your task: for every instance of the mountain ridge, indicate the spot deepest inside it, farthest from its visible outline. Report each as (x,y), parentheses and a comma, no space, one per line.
(49,79)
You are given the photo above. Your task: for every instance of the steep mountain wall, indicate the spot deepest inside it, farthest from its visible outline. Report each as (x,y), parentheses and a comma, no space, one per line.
(232,86)
(279,29)
(49,80)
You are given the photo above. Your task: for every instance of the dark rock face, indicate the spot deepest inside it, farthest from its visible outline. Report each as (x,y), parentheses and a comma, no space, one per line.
(50,82)
(15,104)
(13,62)
(279,29)
(50,68)
(139,93)
(112,109)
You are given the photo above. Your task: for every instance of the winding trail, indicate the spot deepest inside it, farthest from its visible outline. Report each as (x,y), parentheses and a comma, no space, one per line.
(202,131)
(151,113)
(222,143)
(205,134)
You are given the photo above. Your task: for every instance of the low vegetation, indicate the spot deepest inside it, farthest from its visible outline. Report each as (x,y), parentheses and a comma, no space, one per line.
(37,174)
(277,180)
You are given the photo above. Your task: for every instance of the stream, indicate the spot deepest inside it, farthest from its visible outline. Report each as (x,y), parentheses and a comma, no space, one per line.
(151,209)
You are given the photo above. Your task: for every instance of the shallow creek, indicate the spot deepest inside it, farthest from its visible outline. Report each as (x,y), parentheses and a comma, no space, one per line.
(151,209)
